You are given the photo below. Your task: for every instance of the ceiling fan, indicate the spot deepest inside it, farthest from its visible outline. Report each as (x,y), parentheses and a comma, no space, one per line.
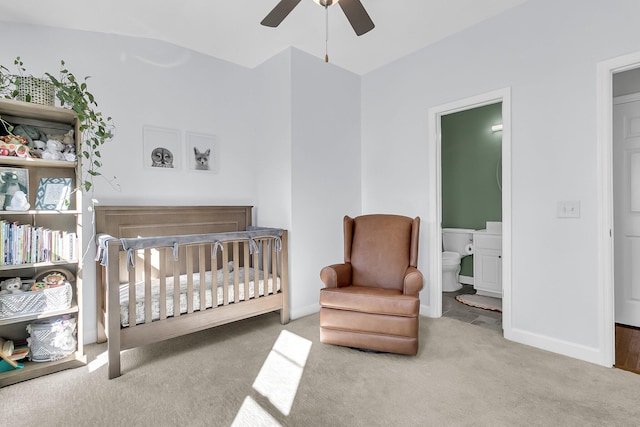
(353,9)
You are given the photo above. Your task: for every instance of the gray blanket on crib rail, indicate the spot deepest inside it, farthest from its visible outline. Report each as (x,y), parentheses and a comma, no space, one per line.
(132,244)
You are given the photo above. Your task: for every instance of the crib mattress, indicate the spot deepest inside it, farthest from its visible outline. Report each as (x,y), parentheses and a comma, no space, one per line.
(219,294)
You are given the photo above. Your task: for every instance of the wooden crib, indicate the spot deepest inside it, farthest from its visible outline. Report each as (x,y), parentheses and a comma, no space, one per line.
(193,268)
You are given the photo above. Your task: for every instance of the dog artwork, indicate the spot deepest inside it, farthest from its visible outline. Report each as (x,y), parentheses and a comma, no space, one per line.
(202,159)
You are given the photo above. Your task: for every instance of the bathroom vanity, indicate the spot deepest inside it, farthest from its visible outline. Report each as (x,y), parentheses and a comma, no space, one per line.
(487,261)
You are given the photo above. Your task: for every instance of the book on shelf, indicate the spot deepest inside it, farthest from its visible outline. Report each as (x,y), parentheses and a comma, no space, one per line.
(29,244)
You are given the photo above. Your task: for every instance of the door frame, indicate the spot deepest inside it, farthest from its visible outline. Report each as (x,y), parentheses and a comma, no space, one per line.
(604,122)
(435,198)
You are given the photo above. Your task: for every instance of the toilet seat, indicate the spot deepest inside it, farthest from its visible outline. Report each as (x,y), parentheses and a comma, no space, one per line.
(450,258)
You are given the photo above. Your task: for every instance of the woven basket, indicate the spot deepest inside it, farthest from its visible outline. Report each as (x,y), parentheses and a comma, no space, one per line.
(52,339)
(33,89)
(14,305)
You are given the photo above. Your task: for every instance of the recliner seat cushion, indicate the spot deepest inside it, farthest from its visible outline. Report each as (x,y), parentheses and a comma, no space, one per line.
(370,300)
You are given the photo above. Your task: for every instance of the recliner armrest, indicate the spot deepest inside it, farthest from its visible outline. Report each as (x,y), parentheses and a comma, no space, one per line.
(413,281)
(336,275)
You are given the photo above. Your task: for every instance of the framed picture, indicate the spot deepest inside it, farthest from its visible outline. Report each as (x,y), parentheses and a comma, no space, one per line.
(202,152)
(14,189)
(162,148)
(54,194)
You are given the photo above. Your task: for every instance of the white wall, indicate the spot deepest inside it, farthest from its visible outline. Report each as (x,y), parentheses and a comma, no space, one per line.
(547,52)
(144,82)
(325,171)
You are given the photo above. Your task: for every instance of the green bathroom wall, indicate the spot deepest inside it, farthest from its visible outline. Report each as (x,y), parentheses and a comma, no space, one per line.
(471,165)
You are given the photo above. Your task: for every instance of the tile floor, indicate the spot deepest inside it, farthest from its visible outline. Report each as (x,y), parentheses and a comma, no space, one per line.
(476,316)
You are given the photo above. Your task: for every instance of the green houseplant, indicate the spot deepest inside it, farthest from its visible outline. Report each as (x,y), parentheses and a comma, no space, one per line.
(96,129)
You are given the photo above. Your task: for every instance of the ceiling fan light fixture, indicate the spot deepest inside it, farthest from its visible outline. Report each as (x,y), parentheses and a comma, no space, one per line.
(326,3)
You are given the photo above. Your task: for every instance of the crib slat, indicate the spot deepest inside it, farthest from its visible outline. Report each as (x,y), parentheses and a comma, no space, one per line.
(256,274)
(236,255)
(189,279)
(265,266)
(214,279)
(203,283)
(162,271)
(274,267)
(147,285)
(246,271)
(132,291)
(175,265)
(225,274)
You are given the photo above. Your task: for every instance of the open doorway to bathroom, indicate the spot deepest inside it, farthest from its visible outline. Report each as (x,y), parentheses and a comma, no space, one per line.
(500,268)
(471,194)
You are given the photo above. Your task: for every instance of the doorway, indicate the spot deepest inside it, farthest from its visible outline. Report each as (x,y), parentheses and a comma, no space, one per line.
(608,251)
(471,157)
(502,96)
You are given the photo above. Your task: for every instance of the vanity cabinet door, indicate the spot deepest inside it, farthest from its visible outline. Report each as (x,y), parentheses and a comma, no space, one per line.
(487,273)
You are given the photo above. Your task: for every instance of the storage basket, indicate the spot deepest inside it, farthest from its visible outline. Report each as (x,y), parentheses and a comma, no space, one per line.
(52,339)
(14,305)
(33,89)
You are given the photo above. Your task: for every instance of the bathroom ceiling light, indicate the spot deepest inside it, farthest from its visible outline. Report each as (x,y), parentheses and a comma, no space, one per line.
(496,128)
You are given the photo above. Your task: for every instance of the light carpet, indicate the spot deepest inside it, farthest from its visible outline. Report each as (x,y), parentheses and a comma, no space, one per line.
(480,301)
(463,375)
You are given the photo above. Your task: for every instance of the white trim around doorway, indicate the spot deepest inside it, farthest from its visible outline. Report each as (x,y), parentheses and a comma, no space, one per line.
(606,313)
(434,309)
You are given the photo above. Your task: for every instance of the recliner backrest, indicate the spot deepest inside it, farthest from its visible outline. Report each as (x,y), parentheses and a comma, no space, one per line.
(380,247)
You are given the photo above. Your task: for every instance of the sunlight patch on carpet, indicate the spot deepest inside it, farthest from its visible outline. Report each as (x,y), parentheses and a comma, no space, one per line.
(280,374)
(277,381)
(251,414)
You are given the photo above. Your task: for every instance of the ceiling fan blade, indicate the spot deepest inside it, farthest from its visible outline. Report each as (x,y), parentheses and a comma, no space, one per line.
(282,9)
(357,16)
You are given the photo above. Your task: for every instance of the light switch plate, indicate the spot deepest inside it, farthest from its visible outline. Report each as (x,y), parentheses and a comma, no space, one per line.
(569,209)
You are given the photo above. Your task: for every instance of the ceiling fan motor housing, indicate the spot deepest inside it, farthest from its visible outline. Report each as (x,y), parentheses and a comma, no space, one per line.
(326,3)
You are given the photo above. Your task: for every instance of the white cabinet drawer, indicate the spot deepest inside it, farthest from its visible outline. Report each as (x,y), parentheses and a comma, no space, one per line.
(487,241)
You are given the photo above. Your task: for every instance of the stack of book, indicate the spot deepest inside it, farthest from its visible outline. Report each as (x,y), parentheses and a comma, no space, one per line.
(27,244)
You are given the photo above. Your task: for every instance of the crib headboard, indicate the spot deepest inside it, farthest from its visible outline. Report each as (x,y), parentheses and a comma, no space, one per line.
(148,221)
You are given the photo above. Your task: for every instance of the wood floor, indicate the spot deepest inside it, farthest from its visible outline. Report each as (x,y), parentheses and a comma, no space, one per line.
(628,348)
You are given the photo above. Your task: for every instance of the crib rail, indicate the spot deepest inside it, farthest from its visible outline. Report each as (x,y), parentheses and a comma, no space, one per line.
(165,272)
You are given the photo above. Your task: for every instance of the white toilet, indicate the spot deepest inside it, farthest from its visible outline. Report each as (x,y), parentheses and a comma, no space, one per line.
(457,243)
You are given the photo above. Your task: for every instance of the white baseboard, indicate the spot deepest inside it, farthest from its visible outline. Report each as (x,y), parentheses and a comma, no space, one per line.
(465,280)
(296,313)
(576,351)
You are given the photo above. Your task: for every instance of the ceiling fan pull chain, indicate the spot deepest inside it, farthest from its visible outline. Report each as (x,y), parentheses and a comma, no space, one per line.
(326,39)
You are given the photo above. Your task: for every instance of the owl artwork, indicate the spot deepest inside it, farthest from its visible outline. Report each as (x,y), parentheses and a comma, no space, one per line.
(161,158)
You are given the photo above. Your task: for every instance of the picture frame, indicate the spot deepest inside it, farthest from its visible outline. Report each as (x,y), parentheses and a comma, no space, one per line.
(13,180)
(54,194)
(162,148)
(202,152)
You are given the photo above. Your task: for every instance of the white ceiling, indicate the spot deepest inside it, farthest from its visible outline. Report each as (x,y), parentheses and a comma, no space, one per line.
(231,30)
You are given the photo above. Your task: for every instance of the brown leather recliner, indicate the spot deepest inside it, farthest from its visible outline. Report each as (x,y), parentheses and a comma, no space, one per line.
(371,300)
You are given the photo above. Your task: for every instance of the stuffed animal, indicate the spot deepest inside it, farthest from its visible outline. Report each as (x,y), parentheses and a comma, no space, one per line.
(69,152)
(11,286)
(66,138)
(18,202)
(30,133)
(53,150)
(38,148)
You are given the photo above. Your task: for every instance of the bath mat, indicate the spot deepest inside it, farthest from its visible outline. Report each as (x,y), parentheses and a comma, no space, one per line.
(480,301)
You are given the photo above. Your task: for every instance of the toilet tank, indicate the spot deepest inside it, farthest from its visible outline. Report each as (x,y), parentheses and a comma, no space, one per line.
(457,239)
